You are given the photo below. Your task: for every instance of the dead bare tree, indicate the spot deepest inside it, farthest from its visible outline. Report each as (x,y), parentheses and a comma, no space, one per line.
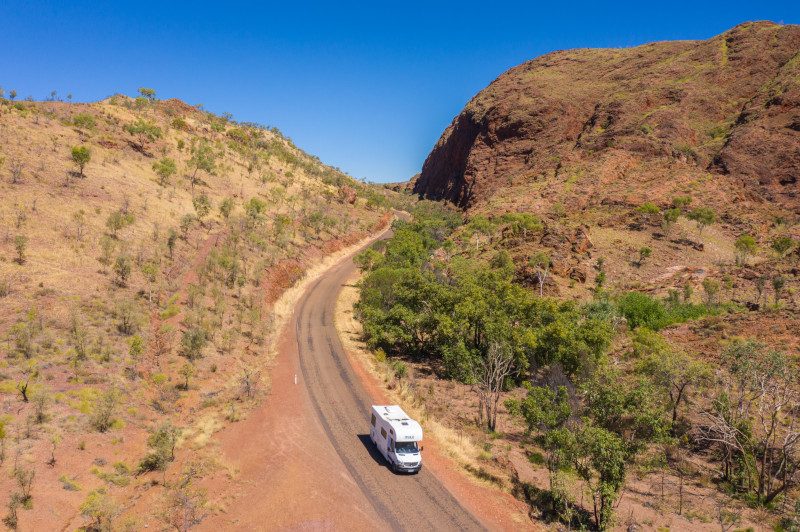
(754,421)
(540,262)
(16,171)
(493,370)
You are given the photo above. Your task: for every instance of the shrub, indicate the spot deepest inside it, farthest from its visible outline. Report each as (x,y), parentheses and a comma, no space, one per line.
(103,410)
(84,121)
(118,220)
(146,131)
(703,217)
(745,246)
(642,310)
(122,269)
(20,245)
(782,245)
(648,208)
(81,155)
(192,343)
(161,443)
(165,168)
(100,509)
(202,206)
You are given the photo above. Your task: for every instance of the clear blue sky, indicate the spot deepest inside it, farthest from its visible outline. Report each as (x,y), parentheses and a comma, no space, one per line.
(366,87)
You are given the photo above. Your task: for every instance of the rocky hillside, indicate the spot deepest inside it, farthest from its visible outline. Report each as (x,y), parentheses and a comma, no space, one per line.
(587,126)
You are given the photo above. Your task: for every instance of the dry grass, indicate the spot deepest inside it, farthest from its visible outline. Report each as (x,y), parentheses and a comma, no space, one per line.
(62,282)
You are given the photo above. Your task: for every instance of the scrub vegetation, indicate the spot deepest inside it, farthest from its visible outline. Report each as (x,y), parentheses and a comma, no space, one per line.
(602,396)
(143,244)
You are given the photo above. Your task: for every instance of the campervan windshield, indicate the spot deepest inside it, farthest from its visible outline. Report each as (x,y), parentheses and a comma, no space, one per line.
(406,447)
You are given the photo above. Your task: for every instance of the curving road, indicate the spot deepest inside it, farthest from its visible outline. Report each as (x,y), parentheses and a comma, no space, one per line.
(418,502)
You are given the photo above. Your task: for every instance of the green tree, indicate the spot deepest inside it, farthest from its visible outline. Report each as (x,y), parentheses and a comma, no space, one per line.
(203,158)
(254,209)
(20,245)
(104,409)
(226,207)
(681,202)
(599,459)
(146,131)
(752,421)
(148,93)
(122,269)
(165,168)
(778,282)
(782,245)
(172,237)
(202,206)
(118,220)
(192,343)
(711,288)
(670,218)
(100,509)
(745,246)
(161,447)
(81,155)
(644,253)
(677,374)
(186,224)
(703,217)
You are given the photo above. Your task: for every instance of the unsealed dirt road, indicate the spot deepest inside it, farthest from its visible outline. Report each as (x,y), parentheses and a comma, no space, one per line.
(303,459)
(418,502)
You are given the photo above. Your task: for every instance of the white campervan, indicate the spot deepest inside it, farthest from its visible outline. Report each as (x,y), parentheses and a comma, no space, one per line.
(396,435)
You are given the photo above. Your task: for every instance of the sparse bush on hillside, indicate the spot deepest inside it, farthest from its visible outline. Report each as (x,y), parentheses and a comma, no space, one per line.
(778,282)
(146,131)
(226,207)
(782,245)
(161,444)
(104,409)
(203,158)
(122,269)
(165,168)
(187,220)
(752,421)
(148,93)
(202,206)
(745,246)
(118,220)
(84,121)
(669,217)
(644,254)
(20,246)
(681,202)
(192,343)
(172,238)
(100,509)
(15,167)
(703,217)
(711,288)
(81,155)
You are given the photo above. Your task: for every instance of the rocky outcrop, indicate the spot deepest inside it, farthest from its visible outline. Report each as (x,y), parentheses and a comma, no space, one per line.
(611,119)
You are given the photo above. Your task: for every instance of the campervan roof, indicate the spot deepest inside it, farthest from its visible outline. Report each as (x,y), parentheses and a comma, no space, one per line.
(405,428)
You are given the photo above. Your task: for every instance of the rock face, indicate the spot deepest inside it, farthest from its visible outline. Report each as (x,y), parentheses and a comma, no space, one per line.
(609,119)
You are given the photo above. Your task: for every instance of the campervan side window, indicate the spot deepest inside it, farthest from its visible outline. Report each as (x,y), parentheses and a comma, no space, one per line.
(383,432)
(373,420)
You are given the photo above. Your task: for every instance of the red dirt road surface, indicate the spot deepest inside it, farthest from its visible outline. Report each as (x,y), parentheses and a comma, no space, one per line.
(305,459)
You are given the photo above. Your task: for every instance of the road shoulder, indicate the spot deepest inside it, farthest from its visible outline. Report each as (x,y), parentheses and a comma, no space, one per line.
(497,509)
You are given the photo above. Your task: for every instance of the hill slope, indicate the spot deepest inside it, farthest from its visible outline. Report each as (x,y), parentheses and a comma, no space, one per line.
(136,296)
(636,122)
